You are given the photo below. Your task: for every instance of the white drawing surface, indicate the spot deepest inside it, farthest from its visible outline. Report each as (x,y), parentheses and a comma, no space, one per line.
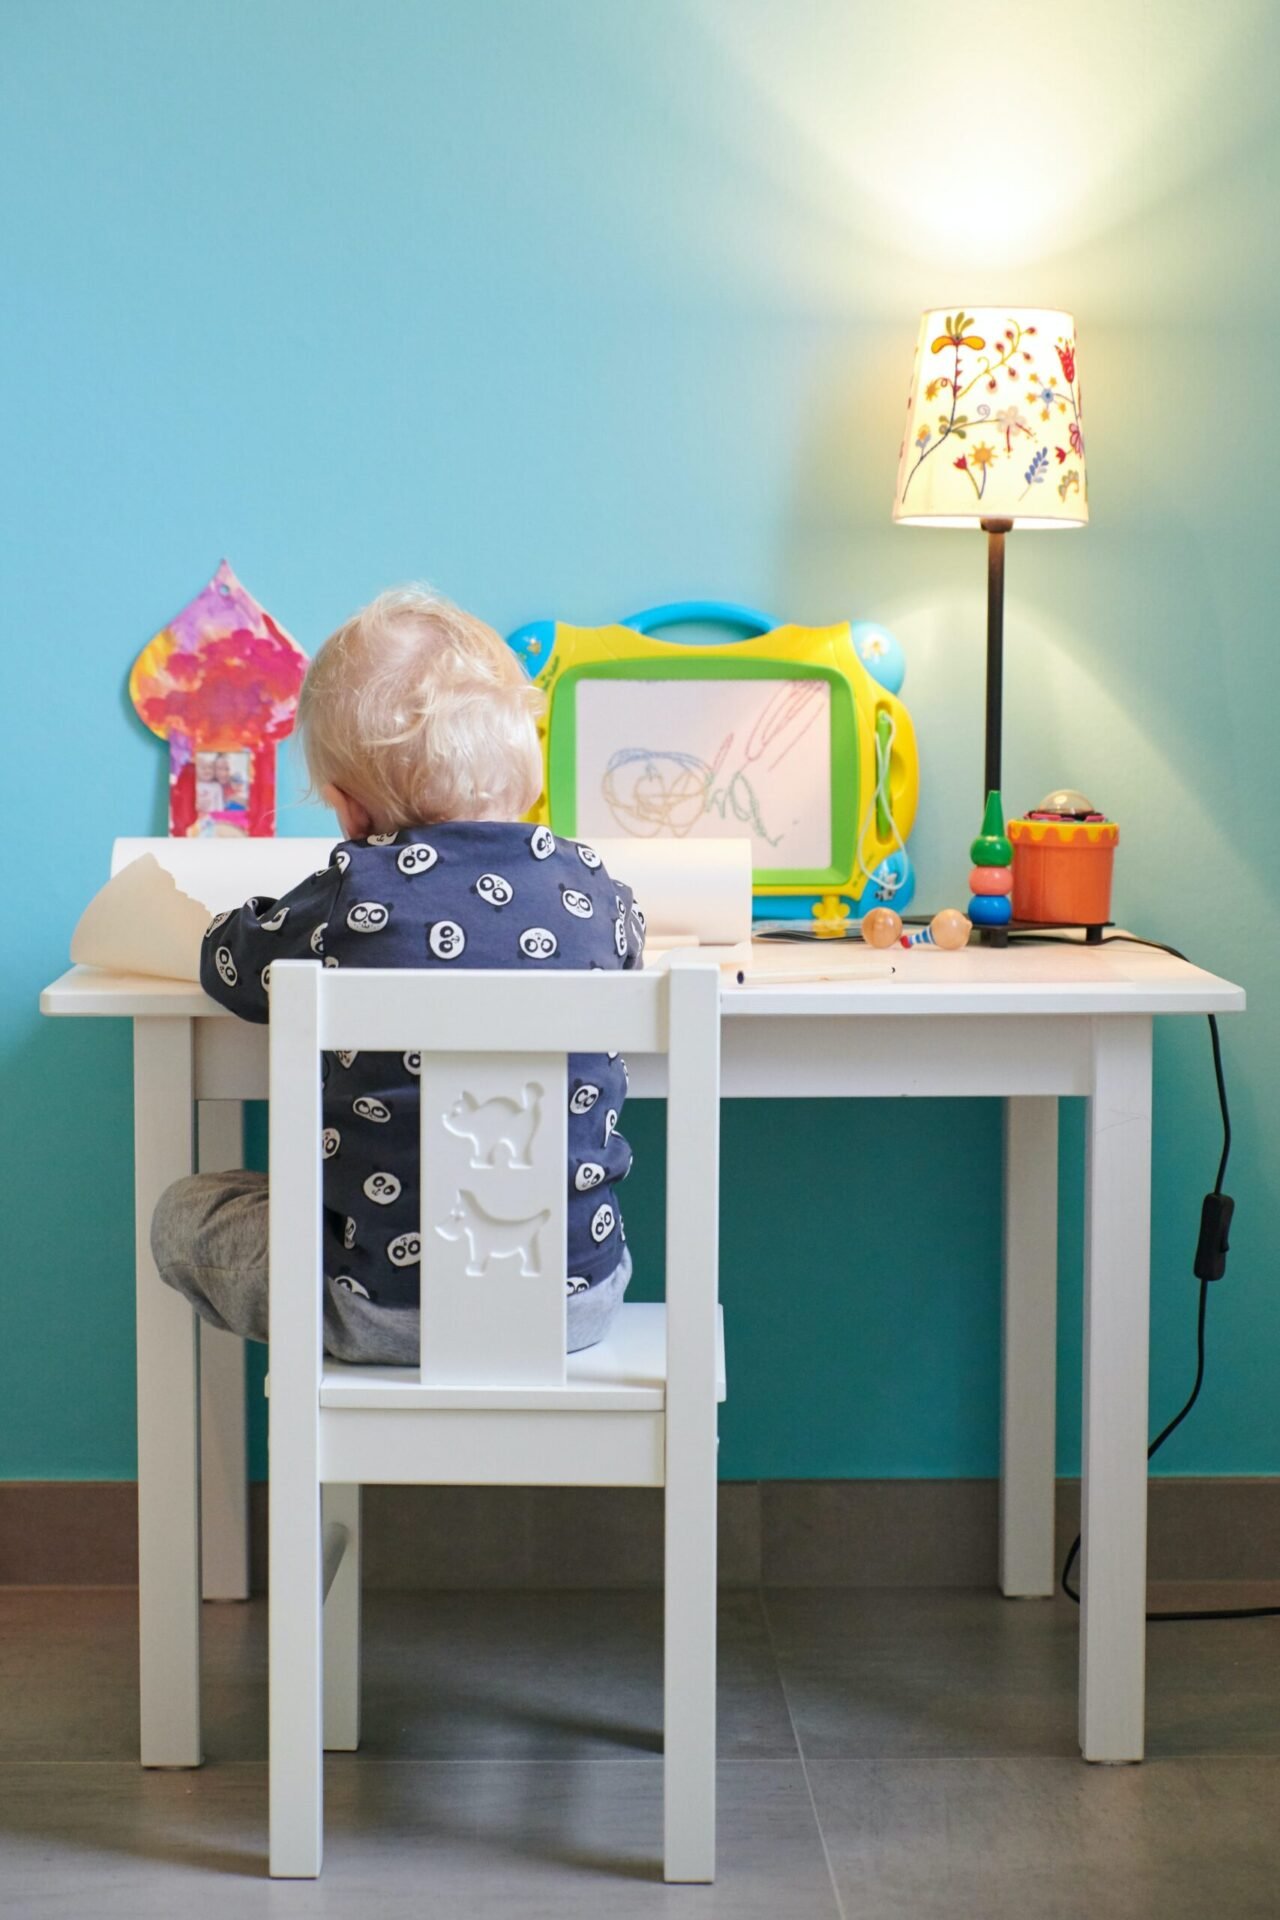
(708,759)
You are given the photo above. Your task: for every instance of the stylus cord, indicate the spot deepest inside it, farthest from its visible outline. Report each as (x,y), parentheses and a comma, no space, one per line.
(885,885)
(1072,1593)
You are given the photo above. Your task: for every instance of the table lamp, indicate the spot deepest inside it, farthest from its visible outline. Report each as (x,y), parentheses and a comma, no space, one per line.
(994,440)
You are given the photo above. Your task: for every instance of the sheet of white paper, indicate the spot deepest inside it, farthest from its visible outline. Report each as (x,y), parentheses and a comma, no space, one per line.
(141,922)
(708,759)
(697,888)
(151,916)
(224,873)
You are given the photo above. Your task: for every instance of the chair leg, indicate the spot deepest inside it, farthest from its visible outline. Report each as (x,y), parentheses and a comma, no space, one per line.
(340,1508)
(295,1632)
(689,1681)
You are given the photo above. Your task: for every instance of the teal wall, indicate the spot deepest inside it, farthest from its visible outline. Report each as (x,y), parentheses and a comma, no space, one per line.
(575,307)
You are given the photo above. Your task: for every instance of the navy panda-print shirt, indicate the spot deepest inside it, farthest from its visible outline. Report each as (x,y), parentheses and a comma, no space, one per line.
(460,894)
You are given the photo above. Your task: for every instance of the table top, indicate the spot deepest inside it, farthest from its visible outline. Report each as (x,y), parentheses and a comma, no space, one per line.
(1067,979)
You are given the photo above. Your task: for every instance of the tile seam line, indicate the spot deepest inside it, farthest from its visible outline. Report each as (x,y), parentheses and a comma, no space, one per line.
(804,1764)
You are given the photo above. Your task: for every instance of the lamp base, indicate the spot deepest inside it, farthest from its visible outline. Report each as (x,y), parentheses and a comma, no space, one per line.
(1094,931)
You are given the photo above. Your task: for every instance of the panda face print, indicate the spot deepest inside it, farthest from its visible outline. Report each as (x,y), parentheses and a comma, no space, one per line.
(218,920)
(583,1098)
(368,916)
(226,967)
(590,1174)
(446,940)
(412,1063)
(637,914)
(575,1284)
(265,977)
(578,904)
(405,1250)
(345,1058)
(342,859)
(538,943)
(367,1108)
(349,1234)
(380,839)
(330,1141)
(331,959)
(588,856)
(349,1285)
(610,1125)
(493,889)
(316,941)
(277,920)
(419,858)
(382,1189)
(620,937)
(603,1222)
(542,843)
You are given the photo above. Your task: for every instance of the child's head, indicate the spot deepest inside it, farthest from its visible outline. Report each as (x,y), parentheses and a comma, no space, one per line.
(414,712)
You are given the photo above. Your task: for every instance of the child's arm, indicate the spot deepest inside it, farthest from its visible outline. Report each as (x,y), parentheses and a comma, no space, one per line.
(239,946)
(633,921)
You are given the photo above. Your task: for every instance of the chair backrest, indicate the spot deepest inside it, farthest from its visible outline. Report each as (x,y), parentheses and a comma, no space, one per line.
(493,1143)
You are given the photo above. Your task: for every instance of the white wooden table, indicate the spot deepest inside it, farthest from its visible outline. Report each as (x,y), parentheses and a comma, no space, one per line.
(1024,1025)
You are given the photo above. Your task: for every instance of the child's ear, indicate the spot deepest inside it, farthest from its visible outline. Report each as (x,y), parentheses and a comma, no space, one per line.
(353,817)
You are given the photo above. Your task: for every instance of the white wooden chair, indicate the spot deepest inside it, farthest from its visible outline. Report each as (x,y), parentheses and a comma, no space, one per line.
(494,1401)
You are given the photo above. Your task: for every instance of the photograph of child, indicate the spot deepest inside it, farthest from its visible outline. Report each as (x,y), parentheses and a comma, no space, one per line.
(222,794)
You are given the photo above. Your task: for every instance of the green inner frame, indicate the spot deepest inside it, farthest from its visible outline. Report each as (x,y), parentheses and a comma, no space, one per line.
(562,747)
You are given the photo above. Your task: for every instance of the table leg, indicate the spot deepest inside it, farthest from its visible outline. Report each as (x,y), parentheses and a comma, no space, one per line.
(1117,1284)
(224,1465)
(1029,1345)
(168,1413)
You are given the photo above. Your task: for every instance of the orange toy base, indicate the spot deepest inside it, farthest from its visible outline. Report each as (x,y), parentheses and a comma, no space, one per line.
(1062,870)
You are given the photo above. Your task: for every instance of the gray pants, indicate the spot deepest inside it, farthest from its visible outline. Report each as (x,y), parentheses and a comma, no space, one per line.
(209,1239)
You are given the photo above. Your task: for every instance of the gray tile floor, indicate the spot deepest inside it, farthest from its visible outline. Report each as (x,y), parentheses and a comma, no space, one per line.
(884,1756)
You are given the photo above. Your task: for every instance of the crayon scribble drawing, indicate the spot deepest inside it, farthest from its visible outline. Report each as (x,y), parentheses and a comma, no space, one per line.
(220,683)
(709,758)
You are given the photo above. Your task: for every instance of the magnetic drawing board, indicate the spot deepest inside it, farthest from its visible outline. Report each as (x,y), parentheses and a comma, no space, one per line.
(785,736)
(708,759)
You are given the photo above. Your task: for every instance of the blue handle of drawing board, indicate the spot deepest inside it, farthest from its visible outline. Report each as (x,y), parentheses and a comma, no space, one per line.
(725,612)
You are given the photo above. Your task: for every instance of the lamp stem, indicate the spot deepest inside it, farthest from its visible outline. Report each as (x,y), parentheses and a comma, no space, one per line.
(995,531)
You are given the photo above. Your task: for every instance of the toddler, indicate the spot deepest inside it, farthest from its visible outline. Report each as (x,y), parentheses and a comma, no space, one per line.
(418,727)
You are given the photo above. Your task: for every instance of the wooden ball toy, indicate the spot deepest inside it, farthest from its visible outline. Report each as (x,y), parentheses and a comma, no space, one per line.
(949,930)
(882,927)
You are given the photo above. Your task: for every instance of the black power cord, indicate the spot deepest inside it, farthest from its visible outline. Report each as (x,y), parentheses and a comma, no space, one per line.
(1210,1265)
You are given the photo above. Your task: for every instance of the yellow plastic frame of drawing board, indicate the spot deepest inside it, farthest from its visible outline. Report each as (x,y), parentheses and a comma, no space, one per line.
(860,709)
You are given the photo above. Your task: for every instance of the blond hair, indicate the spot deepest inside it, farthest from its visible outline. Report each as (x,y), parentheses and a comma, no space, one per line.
(420,712)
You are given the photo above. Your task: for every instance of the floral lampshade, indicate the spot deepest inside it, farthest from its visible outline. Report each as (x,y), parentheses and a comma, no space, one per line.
(994,430)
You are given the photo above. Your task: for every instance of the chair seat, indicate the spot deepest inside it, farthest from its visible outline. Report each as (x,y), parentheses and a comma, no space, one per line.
(624,1373)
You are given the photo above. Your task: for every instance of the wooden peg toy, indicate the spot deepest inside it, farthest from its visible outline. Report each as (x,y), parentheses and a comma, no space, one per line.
(949,929)
(882,927)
